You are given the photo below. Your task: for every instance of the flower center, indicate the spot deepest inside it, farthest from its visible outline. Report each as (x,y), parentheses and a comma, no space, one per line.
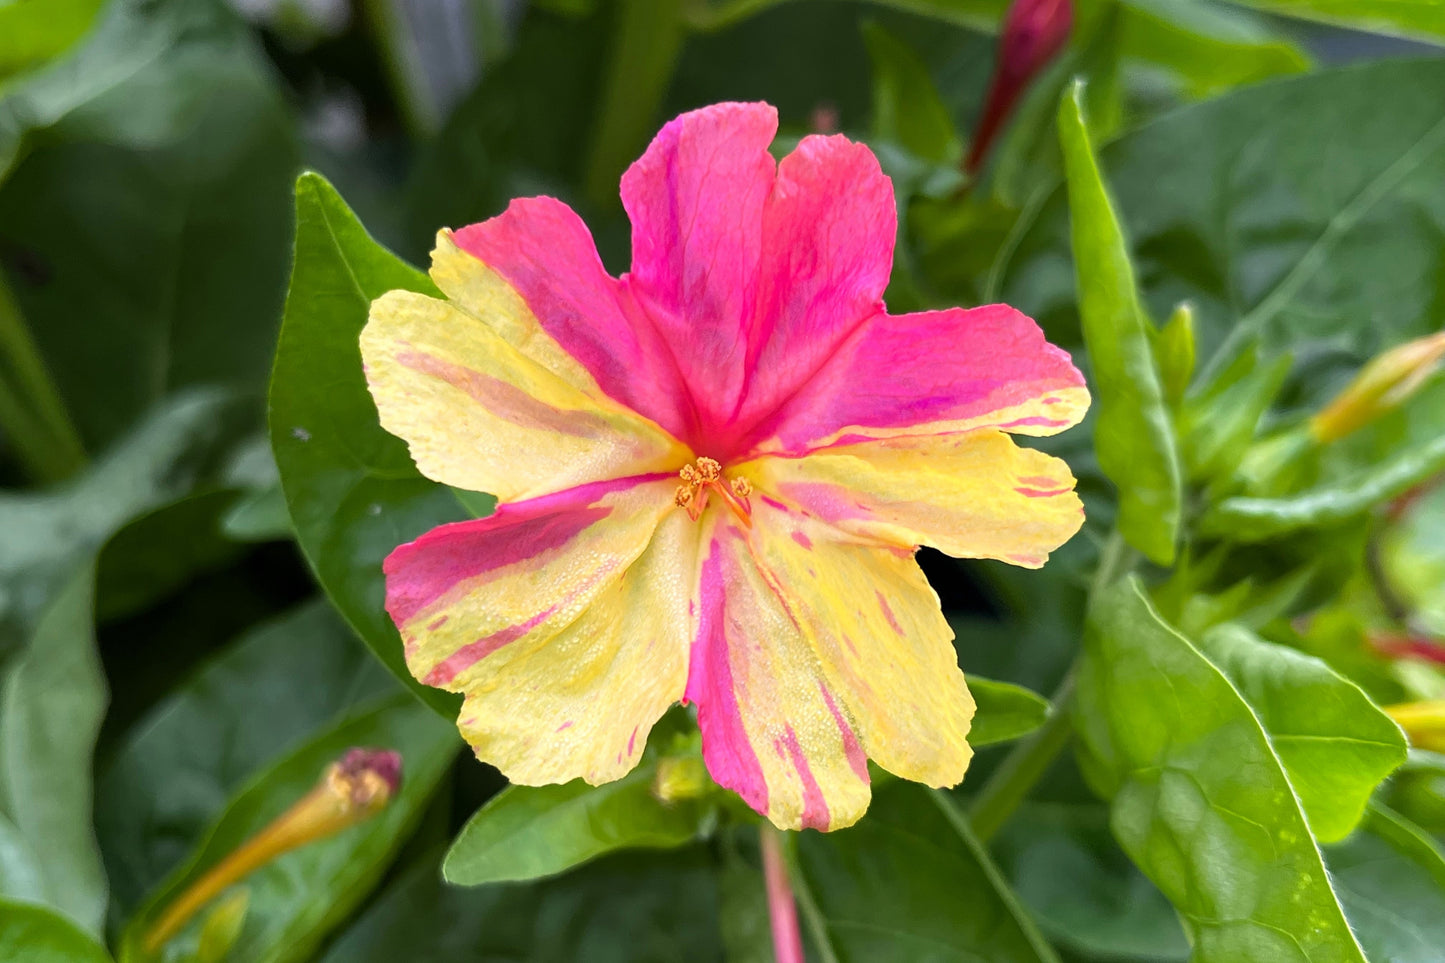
(704,476)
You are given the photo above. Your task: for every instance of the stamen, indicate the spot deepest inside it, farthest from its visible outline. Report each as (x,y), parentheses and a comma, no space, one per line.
(705,476)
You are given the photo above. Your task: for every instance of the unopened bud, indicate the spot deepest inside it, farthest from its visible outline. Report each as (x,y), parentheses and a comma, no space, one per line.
(1034,31)
(354,788)
(1423,722)
(1382,385)
(1174,353)
(680,778)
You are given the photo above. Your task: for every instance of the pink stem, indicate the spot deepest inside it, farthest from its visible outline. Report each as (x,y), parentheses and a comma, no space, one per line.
(782,911)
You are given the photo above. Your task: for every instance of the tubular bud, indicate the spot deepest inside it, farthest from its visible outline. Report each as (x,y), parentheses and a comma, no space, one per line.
(1034,31)
(1382,385)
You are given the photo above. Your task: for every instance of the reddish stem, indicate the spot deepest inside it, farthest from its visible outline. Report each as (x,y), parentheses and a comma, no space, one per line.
(782,910)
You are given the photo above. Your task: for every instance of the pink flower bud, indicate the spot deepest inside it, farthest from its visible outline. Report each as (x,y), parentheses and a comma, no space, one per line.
(1034,31)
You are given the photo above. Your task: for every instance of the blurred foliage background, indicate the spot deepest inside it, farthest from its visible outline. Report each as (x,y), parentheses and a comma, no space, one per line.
(181,639)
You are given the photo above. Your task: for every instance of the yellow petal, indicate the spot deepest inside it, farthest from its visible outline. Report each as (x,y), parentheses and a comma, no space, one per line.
(971,495)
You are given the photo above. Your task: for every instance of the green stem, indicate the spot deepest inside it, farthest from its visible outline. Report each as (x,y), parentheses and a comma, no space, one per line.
(647,40)
(32,414)
(1025,764)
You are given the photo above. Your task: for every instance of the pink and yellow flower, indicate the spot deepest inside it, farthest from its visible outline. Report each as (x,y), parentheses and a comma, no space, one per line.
(713,473)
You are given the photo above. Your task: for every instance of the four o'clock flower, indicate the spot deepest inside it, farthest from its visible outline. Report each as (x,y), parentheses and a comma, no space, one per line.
(713,473)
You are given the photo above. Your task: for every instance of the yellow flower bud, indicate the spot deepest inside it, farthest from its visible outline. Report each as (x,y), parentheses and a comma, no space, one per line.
(1383,384)
(1423,722)
(680,778)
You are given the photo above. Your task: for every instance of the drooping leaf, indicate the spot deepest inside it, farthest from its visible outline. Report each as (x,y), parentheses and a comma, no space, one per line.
(51,704)
(34,934)
(297,899)
(145,213)
(626,908)
(1004,711)
(1336,745)
(352,490)
(1200,800)
(895,887)
(1132,433)
(176,768)
(1391,881)
(527,832)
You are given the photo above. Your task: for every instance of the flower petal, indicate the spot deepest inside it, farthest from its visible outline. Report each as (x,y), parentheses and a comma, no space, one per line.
(931,373)
(828,235)
(971,495)
(541,248)
(480,415)
(814,652)
(696,202)
(563,619)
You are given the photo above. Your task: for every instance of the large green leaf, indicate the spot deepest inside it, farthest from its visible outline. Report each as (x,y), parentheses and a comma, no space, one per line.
(1391,881)
(525,832)
(627,908)
(33,934)
(352,490)
(1336,745)
(1133,434)
(1424,19)
(297,899)
(1200,800)
(148,220)
(175,769)
(51,705)
(1304,210)
(909,881)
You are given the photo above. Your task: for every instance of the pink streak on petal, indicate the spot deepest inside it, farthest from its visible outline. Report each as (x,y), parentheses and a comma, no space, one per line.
(815,808)
(730,757)
(888,613)
(565,725)
(469,655)
(504,400)
(1042,493)
(632,741)
(438,623)
(420,573)
(1038,481)
(857,760)
(696,199)
(803,540)
(898,371)
(542,249)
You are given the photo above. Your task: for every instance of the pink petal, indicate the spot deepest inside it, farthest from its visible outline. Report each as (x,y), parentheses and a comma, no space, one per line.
(696,202)
(930,373)
(542,249)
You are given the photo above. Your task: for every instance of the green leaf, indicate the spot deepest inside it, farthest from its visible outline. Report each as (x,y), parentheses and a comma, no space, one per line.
(174,770)
(527,832)
(258,516)
(627,908)
(1211,47)
(34,934)
(1213,198)
(1391,880)
(1216,429)
(1246,519)
(1200,800)
(297,899)
(1421,19)
(51,706)
(352,490)
(906,106)
(1174,353)
(894,885)
(33,31)
(160,142)
(1082,889)
(1336,745)
(1004,711)
(743,898)
(1132,433)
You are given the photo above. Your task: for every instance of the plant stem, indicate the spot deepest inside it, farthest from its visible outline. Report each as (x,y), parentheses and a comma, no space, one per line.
(1027,762)
(782,910)
(1023,766)
(32,414)
(647,40)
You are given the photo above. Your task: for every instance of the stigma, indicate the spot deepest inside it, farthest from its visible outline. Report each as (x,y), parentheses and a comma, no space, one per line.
(705,476)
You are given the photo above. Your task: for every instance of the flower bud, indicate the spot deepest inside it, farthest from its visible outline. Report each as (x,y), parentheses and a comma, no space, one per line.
(680,778)
(1423,722)
(1382,385)
(354,788)
(1034,31)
